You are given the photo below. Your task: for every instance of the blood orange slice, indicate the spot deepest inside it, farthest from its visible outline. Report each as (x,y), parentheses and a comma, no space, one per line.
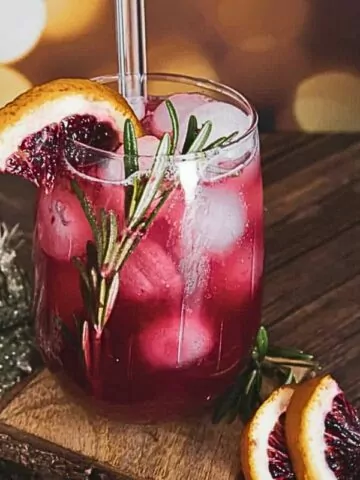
(34,126)
(323,432)
(263,451)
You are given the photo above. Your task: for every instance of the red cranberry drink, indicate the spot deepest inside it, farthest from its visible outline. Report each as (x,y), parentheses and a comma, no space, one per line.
(148,246)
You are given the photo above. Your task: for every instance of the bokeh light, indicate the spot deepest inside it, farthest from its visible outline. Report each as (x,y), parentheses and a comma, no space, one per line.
(329,101)
(21,26)
(178,55)
(68,19)
(238,20)
(12,84)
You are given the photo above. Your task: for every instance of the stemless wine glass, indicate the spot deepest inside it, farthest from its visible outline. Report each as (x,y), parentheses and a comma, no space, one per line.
(149,305)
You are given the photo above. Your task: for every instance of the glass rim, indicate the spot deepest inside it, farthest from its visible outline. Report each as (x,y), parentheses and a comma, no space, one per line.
(211,86)
(208,84)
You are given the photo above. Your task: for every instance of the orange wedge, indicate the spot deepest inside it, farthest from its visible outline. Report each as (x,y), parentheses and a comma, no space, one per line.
(323,432)
(263,450)
(34,125)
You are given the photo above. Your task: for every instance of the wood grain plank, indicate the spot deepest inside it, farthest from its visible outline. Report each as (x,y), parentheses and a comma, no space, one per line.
(312,225)
(310,275)
(310,184)
(284,162)
(275,146)
(329,327)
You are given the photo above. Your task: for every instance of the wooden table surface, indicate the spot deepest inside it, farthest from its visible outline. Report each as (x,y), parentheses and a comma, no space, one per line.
(312,280)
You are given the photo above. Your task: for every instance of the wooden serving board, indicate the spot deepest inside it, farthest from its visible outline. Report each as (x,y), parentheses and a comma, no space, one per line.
(45,431)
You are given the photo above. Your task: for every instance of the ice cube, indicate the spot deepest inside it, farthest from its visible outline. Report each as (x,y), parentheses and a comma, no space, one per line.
(184,104)
(174,342)
(216,218)
(149,274)
(62,227)
(225,118)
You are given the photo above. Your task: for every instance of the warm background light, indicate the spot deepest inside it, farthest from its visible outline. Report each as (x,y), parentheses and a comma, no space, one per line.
(21,25)
(241,20)
(298,61)
(329,101)
(178,55)
(12,83)
(68,19)
(262,71)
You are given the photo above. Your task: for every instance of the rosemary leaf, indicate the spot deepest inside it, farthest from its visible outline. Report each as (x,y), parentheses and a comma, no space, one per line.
(112,233)
(289,378)
(111,295)
(70,338)
(126,248)
(115,253)
(292,363)
(221,142)
(101,303)
(251,397)
(288,353)
(136,193)
(191,133)
(251,382)
(87,298)
(94,275)
(105,235)
(130,149)
(87,208)
(131,164)
(225,406)
(262,343)
(154,213)
(259,382)
(233,413)
(175,125)
(201,138)
(86,346)
(153,183)
(77,262)
(91,255)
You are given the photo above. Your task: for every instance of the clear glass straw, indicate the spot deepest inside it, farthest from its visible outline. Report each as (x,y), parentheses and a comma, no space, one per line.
(131,45)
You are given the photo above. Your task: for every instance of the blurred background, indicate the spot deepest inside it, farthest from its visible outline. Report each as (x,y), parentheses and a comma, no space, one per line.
(298,61)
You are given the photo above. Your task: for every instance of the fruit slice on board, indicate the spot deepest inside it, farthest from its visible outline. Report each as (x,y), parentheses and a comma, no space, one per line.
(33,127)
(323,432)
(263,449)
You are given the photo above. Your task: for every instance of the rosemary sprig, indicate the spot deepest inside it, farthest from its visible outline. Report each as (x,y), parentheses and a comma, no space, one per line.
(175,125)
(269,363)
(111,245)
